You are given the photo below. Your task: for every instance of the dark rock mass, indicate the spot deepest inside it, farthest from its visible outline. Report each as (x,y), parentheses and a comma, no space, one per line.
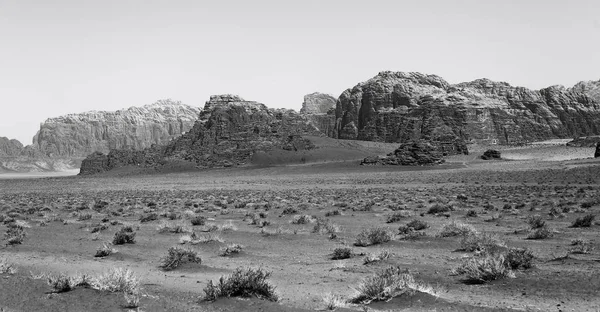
(584,142)
(228,132)
(417,153)
(78,135)
(319,108)
(491,154)
(400,107)
(597,152)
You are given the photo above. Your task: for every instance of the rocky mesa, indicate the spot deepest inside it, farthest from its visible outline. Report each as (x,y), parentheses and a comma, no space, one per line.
(228,132)
(402,107)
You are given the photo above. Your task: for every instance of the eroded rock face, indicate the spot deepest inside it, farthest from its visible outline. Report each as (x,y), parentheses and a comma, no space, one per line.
(597,153)
(584,142)
(399,107)
(228,132)
(319,108)
(78,135)
(417,153)
(10,147)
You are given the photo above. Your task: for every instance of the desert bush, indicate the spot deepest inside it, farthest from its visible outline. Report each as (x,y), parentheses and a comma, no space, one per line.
(485,268)
(540,233)
(117,280)
(536,221)
(60,283)
(519,258)
(341,253)
(474,241)
(125,235)
(177,256)
(230,250)
(132,301)
(397,216)
(387,284)
(373,236)
(333,213)
(456,228)
(166,227)
(471,214)
(581,246)
(325,226)
(302,219)
(439,208)
(105,250)
(15,234)
(149,217)
(382,255)
(84,216)
(585,221)
(7,268)
(242,283)
(289,210)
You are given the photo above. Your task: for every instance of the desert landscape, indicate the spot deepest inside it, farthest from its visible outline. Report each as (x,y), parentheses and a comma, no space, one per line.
(321,232)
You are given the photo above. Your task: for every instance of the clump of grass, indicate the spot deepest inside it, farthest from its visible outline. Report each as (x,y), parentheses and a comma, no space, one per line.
(387,284)
(84,216)
(397,216)
(536,222)
(486,268)
(166,227)
(177,256)
(333,302)
(230,249)
(373,236)
(471,214)
(289,210)
(125,235)
(481,242)
(302,219)
(585,221)
(540,233)
(195,239)
(333,213)
(117,280)
(15,234)
(382,255)
(581,246)
(132,301)
(60,283)
(242,283)
(341,253)
(456,228)
(105,250)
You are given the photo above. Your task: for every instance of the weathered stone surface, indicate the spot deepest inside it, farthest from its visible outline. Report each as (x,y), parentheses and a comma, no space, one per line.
(78,135)
(228,132)
(491,154)
(399,107)
(317,103)
(417,153)
(10,147)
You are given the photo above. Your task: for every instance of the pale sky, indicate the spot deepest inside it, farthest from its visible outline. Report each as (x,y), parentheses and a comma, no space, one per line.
(70,56)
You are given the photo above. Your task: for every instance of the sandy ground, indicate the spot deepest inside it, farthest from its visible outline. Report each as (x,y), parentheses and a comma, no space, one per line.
(503,195)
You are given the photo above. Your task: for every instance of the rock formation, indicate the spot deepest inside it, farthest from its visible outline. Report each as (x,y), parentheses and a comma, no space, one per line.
(10,148)
(584,141)
(228,132)
(399,107)
(417,153)
(78,135)
(491,154)
(319,108)
(597,152)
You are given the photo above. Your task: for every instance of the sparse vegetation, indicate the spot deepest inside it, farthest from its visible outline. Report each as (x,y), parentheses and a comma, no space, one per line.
(125,235)
(585,221)
(456,228)
(177,256)
(105,250)
(373,236)
(230,249)
(341,253)
(242,283)
(387,284)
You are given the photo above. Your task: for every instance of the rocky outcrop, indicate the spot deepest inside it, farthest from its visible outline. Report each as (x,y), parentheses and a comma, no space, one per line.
(400,107)
(78,135)
(597,152)
(228,132)
(319,108)
(418,153)
(491,154)
(10,148)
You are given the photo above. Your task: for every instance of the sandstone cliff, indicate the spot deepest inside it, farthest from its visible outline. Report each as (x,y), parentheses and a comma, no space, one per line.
(401,107)
(10,147)
(228,132)
(319,108)
(78,135)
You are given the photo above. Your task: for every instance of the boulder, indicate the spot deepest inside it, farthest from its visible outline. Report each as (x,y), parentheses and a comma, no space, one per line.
(597,153)
(491,154)
(417,153)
